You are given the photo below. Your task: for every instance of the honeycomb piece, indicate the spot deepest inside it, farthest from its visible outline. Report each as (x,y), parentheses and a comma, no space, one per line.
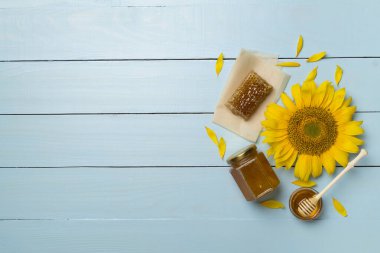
(249,95)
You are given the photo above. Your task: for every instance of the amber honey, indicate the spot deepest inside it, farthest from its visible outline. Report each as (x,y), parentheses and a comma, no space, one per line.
(253,173)
(297,196)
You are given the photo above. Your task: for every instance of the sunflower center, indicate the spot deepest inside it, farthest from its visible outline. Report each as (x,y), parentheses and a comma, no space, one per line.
(312,130)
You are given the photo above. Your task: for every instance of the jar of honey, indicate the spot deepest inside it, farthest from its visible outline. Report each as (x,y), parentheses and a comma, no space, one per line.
(253,173)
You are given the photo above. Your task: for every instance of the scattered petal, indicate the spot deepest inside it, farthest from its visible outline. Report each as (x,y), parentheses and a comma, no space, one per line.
(222,147)
(299,45)
(312,75)
(338,74)
(304,184)
(339,207)
(219,64)
(288,64)
(274,204)
(212,135)
(316,57)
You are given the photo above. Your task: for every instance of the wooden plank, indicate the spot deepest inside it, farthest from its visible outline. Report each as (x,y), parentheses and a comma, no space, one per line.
(151,86)
(78,31)
(168,193)
(188,236)
(127,140)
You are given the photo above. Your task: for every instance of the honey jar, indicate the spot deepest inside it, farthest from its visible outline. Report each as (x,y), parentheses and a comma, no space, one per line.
(297,196)
(253,173)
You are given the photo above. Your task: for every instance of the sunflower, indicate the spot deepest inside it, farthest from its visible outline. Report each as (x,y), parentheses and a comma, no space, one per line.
(314,130)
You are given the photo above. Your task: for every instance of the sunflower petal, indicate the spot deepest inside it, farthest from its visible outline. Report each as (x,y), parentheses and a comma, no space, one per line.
(270,139)
(347,102)
(288,64)
(355,140)
(338,74)
(328,96)
(276,111)
(306,171)
(274,133)
(274,124)
(319,95)
(290,161)
(351,128)
(346,144)
(312,75)
(288,102)
(328,162)
(316,166)
(338,99)
(307,89)
(285,156)
(303,167)
(316,57)
(340,156)
(299,45)
(297,95)
(270,151)
(344,115)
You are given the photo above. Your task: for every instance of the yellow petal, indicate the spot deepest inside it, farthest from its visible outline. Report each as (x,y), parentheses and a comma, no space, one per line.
(316,57)
(355,140)
(211,134)
(276,111)
(219,64)
(344,115)
(270,151)
(222,147)
(288,64)
(289,163)
(328,96)
(274,133)
(274,124)
(319,95)
(274,204)
(281,147)
(328,162)
(351,128)
(284,157)
(288,102)
(296,92)
(312,75)
(303,167)
(347,102)
(316,166)
(299,45)
(339,207)
(270,139)
(338,74)
(340,156)
(307,184)
(338,99)
(345,144)
(308,88)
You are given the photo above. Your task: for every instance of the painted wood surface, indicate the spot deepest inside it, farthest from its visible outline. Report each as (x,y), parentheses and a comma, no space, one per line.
(151,86)
(102,109)
(128,140)
(110,29)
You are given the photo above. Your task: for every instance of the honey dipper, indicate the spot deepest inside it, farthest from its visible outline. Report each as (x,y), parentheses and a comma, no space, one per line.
(308,205)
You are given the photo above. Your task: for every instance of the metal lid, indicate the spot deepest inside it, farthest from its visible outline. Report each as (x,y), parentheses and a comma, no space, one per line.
(241,154)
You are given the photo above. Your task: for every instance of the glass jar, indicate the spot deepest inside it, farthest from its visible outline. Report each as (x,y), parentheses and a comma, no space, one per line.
(253,173)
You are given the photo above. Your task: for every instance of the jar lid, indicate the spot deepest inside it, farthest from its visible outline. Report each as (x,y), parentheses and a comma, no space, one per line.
(241,154)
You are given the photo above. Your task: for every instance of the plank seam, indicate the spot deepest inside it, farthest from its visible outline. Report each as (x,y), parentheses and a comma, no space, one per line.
(173,59)
(123,113)
(141,166)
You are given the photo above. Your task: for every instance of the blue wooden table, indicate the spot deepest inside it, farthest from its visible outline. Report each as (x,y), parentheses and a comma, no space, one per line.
(102,111)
